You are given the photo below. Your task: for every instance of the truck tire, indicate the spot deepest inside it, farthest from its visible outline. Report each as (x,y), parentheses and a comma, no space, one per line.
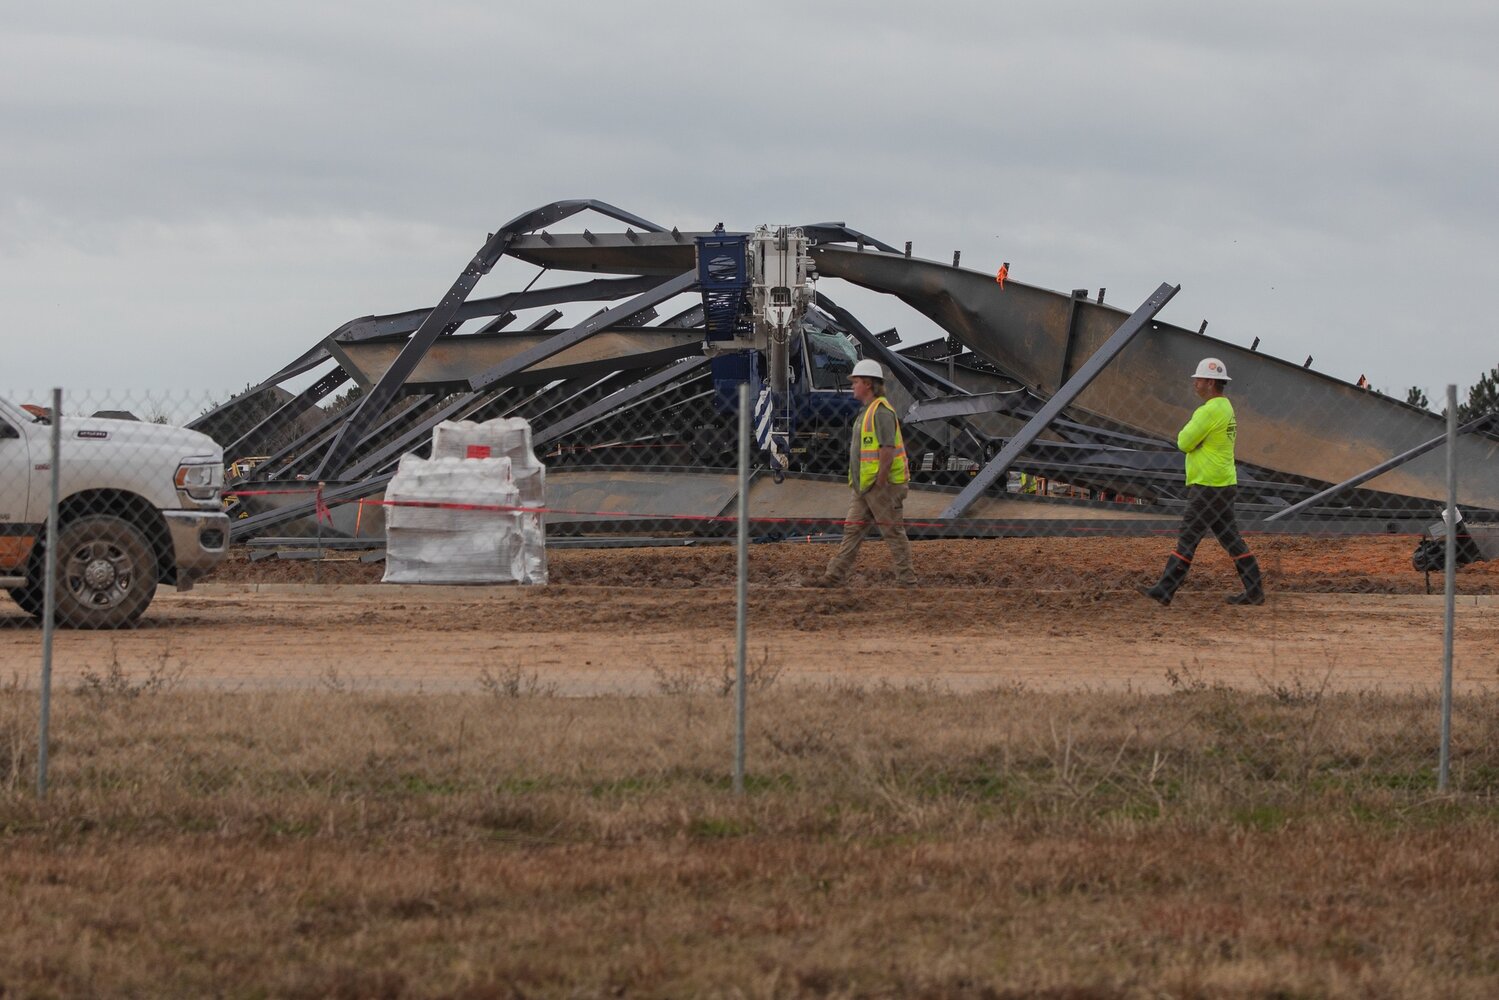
(106,573)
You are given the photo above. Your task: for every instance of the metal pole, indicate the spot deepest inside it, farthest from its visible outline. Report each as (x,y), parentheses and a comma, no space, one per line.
(1451,572)
(49,597)
(743,591)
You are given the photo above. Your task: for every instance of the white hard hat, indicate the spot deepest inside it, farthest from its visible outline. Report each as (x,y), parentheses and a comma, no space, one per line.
(1212,368)
(869,368)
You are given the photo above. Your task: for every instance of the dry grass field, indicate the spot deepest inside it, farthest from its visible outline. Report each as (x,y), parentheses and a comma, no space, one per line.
(1185,802)
(893,841)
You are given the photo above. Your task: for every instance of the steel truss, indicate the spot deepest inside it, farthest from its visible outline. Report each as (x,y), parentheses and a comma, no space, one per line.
(1025,379)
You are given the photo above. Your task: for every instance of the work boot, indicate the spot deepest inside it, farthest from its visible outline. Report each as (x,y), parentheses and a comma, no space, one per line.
(1254,585)
(1171,578)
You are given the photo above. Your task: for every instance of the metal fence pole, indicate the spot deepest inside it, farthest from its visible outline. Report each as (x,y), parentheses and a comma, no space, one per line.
(49,597)
(1445,758)
(743,586)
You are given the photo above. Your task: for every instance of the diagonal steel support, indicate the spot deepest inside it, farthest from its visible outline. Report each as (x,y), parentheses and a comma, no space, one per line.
(616,400)
(252,440)
(1000,464)
(919,382)
(1479,424)
(609,317)
(443,319)
(543,436)
(438,322)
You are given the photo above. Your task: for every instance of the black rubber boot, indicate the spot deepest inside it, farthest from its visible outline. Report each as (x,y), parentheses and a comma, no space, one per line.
(1171,578)
(1254,584)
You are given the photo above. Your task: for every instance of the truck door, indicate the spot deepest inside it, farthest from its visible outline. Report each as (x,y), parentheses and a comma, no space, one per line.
(16,531)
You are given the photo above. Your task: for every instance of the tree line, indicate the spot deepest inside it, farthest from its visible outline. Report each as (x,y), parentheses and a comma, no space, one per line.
(1483,397)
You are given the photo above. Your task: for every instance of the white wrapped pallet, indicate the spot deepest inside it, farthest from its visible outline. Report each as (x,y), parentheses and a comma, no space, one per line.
(503,437)
(507,437)
(460,451)
(445,542)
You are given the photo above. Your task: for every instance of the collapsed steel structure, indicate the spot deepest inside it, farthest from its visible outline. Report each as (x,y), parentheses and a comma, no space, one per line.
(635,412)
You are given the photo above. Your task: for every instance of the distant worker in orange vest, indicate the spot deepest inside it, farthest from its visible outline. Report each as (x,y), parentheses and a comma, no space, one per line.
(1004,272)
(1212,489)
(878,474)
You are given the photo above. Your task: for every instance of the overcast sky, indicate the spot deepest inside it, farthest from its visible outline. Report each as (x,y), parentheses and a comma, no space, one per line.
(192,194)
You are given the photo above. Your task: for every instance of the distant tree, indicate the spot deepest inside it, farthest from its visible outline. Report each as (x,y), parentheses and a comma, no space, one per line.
(254,408)
(1483,397)
(1416,396)
(345,400)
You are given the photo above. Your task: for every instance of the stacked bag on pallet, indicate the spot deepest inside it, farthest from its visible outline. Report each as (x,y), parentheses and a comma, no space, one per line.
(462,538)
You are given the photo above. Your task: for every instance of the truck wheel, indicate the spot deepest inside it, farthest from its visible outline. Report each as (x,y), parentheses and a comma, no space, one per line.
(106,573)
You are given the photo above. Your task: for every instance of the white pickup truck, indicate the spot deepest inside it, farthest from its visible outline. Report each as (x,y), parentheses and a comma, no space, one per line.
(139,505)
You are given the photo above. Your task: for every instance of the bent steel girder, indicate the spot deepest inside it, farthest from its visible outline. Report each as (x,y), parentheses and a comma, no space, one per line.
(610,382)
(543,435)
(393,324)
(610,253)
(1075,386)
(838,232)
(1291,419)
(441,320)
(401,323)
(453,362)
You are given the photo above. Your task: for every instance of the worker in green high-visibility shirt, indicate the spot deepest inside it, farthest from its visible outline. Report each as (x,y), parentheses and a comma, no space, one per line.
(1212,489)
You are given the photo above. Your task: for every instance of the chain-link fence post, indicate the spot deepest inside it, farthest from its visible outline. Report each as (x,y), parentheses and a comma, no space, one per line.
(49,596)
(743,587)
(1445,756)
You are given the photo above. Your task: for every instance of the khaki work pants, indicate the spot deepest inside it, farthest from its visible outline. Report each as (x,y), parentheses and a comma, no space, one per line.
(879,505)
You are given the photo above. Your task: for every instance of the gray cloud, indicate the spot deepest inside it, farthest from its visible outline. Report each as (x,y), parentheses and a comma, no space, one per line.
(193,193)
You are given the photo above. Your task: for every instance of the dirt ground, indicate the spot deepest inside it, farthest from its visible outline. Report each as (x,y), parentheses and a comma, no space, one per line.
(1048,614)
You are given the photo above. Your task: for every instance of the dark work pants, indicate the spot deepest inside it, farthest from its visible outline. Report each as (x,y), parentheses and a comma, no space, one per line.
(1210,509)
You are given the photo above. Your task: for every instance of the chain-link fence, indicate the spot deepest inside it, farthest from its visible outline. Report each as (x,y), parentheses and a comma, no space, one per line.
(205,545)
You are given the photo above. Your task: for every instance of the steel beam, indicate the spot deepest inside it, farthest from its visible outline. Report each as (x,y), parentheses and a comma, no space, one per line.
(543,436)
(547,319)
(443,319)
(440,320)
(1064,397)
(623,397)
(838,232)
(1479,424)
(555,345)
(953,407)
(402,323)
(251,441)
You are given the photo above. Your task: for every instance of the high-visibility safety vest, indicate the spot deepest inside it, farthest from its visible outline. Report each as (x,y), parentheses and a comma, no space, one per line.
(869,448)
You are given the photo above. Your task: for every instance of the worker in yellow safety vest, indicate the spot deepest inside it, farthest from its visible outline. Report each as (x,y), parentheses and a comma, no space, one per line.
(1212,489)
(878,474)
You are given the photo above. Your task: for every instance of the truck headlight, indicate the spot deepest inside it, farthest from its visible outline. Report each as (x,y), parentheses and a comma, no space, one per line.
(201,479)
